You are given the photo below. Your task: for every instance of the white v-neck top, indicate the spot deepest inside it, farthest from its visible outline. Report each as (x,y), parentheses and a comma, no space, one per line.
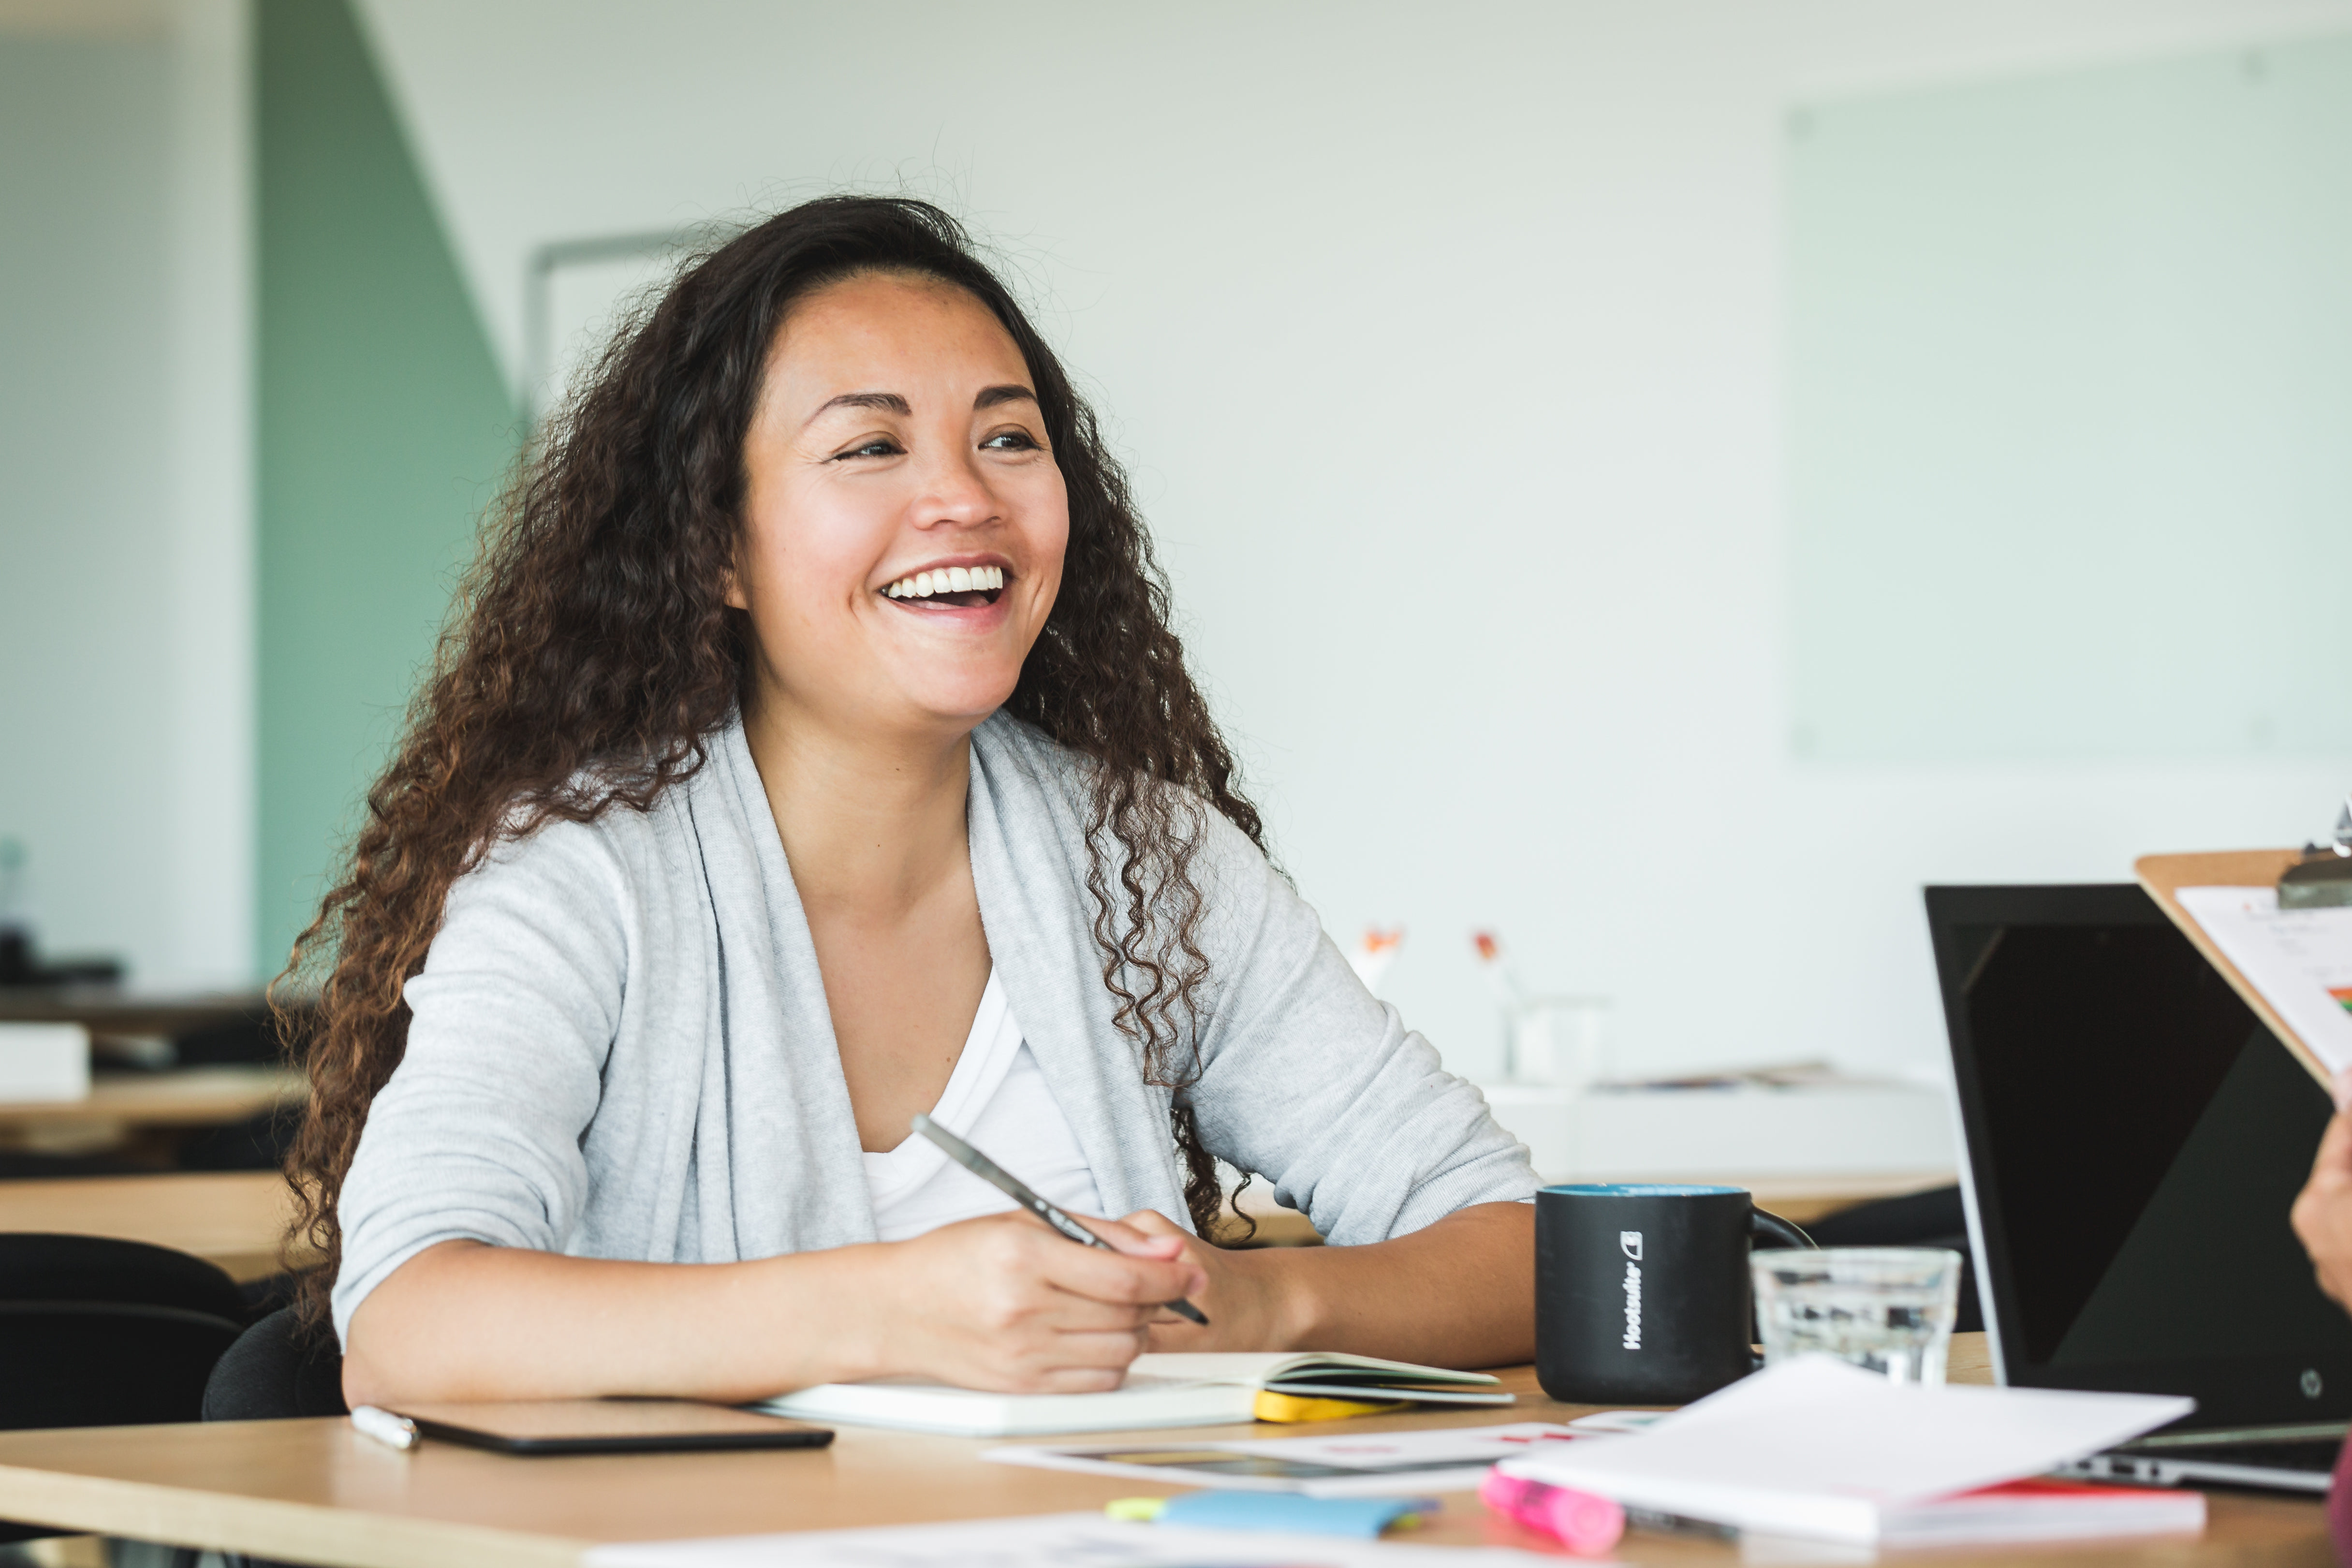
(997,1101)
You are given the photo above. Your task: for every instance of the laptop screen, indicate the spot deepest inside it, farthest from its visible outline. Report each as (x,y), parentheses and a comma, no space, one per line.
(2136,1138)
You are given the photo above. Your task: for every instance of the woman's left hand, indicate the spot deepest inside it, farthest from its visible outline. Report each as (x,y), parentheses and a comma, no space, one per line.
(1242,1302)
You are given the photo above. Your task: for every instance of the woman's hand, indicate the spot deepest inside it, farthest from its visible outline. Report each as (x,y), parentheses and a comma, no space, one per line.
(1001,1302)
(2323,1212)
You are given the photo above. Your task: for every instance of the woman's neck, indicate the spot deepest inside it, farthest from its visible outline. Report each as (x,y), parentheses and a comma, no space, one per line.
(871,823)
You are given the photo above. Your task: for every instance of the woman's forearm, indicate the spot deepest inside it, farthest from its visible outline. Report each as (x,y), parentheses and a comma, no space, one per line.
(1001,1303)
(463,1321)
(1460,1293)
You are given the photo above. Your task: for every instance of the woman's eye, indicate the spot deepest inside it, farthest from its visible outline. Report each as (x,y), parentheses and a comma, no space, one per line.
(1010,441)
(881,446)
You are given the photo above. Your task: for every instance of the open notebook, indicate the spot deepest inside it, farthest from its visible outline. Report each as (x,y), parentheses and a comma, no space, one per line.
(1174,1390)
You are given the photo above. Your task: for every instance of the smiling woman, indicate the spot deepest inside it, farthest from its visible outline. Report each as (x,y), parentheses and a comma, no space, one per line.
(809,750)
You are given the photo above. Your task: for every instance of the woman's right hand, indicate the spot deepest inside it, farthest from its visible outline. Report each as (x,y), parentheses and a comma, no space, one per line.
(1001,1302)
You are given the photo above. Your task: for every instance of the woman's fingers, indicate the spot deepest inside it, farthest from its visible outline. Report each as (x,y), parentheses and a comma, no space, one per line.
(2322,1215)
(1122,1277)
(1144,1234)
(2334,1160)
(1013,1256)
(1006,1301)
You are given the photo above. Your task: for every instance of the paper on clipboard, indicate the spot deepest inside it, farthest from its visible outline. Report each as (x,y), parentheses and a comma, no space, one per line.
(2299,959)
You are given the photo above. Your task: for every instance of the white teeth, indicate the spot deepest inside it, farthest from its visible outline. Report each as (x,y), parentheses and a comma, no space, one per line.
(947,580)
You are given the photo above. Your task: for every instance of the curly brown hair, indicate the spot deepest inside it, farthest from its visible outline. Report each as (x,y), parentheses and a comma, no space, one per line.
(589,656)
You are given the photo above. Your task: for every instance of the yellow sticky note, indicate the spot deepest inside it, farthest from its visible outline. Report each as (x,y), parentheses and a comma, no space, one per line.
(1271,1406)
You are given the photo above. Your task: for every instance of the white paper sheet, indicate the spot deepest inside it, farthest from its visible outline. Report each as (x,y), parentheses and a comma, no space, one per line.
(1048,1541)
(1817,1446)
(1358,1463)
(2299,959)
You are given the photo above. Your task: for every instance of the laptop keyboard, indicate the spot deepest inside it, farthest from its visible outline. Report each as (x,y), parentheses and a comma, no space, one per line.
(2317,1455)
(2312,1458)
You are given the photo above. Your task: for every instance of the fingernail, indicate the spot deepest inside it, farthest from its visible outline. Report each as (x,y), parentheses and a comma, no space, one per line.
(2344,1091)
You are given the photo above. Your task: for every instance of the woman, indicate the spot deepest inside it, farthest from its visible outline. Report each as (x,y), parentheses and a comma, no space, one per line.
(811,750)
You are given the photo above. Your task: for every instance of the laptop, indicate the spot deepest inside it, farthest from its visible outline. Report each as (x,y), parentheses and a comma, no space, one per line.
(2135,1139)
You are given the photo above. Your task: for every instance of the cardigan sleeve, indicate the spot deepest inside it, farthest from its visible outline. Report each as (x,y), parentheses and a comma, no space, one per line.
(477,1137)
(1311,1081)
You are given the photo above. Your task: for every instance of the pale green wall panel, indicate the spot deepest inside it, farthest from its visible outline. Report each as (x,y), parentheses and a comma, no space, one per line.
(2072,439)
(385,430)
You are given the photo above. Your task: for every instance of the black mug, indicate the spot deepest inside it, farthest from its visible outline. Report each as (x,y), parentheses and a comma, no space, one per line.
(1642,1293)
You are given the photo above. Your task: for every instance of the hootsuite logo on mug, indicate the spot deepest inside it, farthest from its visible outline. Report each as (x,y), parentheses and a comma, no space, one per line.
(1630,1243)
(1642,1290)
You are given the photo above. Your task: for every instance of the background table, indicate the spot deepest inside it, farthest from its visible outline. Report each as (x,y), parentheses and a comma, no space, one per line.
(316,1491)
(233,1218)
(127,1010)
(179,1097)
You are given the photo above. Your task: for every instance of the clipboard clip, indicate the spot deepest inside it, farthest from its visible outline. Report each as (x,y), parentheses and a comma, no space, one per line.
(2323,878)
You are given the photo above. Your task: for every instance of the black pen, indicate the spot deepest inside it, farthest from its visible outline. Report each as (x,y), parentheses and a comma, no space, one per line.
(1011,1186)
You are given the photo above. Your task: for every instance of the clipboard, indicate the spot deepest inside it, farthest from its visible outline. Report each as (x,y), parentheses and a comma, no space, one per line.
(2164,876)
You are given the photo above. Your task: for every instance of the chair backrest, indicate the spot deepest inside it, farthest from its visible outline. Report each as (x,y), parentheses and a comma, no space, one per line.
(277,1369)
(39,1267)
(105,1363)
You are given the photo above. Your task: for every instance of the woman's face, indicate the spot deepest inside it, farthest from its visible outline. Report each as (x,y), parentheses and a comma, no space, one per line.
(904,520)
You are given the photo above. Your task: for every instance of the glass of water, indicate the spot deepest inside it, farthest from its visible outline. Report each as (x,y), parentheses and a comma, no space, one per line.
(1889,1309)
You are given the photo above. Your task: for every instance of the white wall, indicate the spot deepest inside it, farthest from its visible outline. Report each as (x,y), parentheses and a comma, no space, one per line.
(126,732)
(1445,344)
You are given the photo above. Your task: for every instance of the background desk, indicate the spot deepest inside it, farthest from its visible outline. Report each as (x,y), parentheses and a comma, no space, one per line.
(233,1218)
(122,1010)
(170,1068)
(122,1103)
(315,1491)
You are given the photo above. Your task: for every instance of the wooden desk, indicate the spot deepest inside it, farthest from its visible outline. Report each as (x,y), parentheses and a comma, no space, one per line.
(117,1010)
(143,1116)
(233,1218)
(316,1491)
(181,1097)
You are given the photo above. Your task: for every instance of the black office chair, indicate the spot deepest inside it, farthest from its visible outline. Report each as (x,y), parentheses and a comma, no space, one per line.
(105,1363)
(275,1370)
(41,1266)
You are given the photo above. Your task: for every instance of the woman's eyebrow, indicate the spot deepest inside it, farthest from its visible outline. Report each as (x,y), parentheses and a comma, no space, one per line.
(888,402)
(991,396)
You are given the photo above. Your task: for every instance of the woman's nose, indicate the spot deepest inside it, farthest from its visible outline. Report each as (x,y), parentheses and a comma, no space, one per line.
(955,491)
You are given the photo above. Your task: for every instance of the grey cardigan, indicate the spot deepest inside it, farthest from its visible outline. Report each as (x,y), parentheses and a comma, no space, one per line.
(619,1045)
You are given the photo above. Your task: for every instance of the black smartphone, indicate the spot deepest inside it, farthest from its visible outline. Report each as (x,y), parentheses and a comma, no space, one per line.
(541,1427)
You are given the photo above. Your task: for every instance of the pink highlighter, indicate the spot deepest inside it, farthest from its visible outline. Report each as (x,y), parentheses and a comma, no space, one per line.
(1585,1524)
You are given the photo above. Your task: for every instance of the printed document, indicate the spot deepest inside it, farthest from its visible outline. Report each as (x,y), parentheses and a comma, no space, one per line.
(2299,959)
(1344,1464)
